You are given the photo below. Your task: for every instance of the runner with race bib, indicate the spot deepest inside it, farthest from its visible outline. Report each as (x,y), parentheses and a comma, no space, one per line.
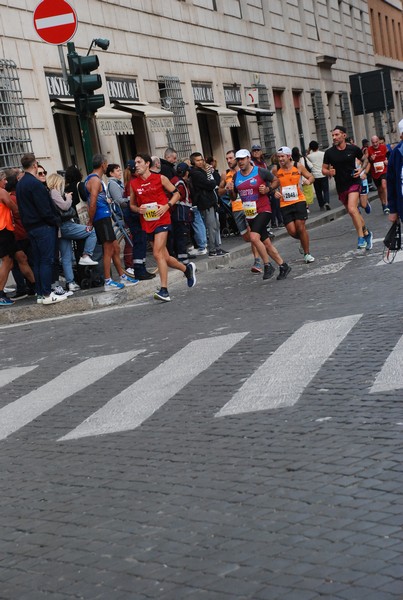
(253,185)
(292,199)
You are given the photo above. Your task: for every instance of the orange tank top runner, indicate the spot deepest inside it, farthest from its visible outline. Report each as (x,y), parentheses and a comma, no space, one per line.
(291,191)
(237,203)
(6,219)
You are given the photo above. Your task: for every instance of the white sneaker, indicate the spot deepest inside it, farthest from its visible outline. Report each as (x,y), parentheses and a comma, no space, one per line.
(87,261)
(130,272)
(200,251)
(308,258)
(58,290)
(53,298)
(73,286)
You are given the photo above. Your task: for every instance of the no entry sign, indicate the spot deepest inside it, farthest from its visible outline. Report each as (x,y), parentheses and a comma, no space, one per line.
(55,21)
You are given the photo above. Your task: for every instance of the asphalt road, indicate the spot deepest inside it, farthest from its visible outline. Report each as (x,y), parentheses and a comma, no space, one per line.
(242,442)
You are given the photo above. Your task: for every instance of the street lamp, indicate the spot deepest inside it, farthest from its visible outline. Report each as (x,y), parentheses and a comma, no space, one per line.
(102,43)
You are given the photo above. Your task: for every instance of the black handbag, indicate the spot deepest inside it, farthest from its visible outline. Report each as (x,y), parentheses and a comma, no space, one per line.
(67,215)
(392,241)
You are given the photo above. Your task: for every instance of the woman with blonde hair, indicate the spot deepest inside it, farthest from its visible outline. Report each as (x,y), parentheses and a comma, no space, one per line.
(70,230)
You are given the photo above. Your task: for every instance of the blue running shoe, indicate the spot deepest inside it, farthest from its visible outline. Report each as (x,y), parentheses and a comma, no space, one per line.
(368,239)
(4,301)
(361,244)
(112,286)
(368,208)
(163,295)
(190,274)
(126,280)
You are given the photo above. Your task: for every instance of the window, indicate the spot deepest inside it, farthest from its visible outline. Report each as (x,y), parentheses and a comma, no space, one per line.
(14,133)
(172,99)
(278,105)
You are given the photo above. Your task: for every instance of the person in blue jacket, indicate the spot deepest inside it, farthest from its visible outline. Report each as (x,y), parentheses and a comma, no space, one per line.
(394,179)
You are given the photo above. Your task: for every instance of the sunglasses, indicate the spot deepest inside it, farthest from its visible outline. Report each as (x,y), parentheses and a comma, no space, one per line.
(42,173)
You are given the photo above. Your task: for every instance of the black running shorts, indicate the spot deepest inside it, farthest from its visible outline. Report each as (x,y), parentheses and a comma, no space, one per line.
(104,230)
(294,212)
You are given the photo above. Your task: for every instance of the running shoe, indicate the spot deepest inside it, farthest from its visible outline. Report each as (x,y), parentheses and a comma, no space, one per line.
(368,239)
(212,254)
(163,295)
(361,244)
(20,295)
(308,258)
(386,210)
(60,291)
(201,251)
(4,301)
(39,299)
(268,271)
(73,286)
(53,298)
(110,285)
(368,208)
(126,280)
(221,252)
(257,266)
(284,271)
(190,274)
(327,206)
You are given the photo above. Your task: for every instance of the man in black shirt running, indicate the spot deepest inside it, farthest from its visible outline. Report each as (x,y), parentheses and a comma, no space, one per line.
(345,162)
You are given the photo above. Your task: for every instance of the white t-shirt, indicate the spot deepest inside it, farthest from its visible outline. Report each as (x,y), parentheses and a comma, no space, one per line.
(316,158)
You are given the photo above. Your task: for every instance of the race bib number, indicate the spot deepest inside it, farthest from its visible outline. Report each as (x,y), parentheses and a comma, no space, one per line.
(290,193)
(378,166)
(151,212)
(250,209)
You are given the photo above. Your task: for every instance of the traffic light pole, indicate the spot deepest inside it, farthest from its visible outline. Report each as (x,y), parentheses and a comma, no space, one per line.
(87,146)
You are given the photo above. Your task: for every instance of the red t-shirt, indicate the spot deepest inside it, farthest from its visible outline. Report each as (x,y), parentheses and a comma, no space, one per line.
(378,166)
(150,191)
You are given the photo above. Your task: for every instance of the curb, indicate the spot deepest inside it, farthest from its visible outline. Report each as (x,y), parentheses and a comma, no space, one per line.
(98,299)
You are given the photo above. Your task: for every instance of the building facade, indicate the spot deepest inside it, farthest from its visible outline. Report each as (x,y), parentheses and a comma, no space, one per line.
(203,75)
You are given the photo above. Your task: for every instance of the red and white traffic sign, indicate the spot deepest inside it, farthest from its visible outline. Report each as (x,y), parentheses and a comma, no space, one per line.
(55,21)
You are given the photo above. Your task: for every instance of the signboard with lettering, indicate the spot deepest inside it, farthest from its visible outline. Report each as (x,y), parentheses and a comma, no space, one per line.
(115,126)
(160,124)
(229,120)
(232,95)
(202,92)
(122,89)
(57,87)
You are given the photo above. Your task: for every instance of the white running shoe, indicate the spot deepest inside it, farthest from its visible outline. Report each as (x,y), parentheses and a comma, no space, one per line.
(73,286)
(87,261)
(308,258)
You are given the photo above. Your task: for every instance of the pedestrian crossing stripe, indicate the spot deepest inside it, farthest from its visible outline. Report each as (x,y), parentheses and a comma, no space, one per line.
(282,378)
(269,387)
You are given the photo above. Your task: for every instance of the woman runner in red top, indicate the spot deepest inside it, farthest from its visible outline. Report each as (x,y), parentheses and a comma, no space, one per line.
(148,197)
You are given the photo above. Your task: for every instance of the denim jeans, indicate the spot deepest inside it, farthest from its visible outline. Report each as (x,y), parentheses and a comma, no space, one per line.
(199,229)
(43,241)
(74,231)
(210,220)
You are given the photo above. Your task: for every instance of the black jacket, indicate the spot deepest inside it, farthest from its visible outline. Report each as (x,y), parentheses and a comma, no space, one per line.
(167,169)
(204,194)
(35,204)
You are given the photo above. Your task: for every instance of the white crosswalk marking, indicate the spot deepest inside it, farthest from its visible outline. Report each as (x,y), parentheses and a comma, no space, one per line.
(134,405)
(391,375)
(8,375)
(15,415)
(282,378)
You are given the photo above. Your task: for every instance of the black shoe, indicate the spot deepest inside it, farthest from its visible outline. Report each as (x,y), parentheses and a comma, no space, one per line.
(269,271)
(221,252)
(327,206)
(284,270)
(20,295)
(212,254)
(144,276)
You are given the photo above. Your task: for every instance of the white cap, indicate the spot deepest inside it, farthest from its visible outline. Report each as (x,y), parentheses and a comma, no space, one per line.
(400,127)
(242,153)
(284,150)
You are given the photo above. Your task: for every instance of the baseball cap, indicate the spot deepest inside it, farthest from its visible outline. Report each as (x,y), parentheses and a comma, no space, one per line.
(256,147)
(130,165)
(400,127)
(242,153)
(182,168)
(340,128)
(284,150)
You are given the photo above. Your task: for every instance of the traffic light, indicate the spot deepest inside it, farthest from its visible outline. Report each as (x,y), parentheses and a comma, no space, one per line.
(82,84)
